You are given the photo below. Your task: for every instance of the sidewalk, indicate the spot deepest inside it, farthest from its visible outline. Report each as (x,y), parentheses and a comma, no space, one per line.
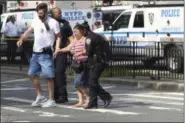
(140,82)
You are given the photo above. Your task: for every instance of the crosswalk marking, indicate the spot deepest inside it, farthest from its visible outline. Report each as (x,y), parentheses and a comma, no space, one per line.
(14,109)
(150,96)
(164,108)
(151,101)
(21,121)
(70,107)
(16,80)
(40,113)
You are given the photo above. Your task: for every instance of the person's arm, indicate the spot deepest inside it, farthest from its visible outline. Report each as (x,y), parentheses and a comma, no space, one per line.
(6,28)
(24,36)
(56,28)
(69,33)
(67,48)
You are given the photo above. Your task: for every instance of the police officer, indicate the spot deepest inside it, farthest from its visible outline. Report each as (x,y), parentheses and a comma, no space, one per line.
(97,64)
(61,59)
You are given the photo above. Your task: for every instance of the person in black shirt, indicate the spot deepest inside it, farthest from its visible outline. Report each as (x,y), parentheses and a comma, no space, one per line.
(61,59)
(97,64)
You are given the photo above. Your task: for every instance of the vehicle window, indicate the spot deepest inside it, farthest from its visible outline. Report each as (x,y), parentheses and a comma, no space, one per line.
(123,21)
(139,20)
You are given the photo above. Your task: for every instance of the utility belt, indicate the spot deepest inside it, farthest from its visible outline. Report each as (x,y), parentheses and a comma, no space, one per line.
(45,50)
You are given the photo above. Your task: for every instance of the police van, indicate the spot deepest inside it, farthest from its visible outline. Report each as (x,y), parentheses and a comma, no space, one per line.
(24,19)
(156,27)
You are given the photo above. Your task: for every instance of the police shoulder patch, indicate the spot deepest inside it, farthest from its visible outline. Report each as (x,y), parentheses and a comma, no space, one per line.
(61,24)
(88,41)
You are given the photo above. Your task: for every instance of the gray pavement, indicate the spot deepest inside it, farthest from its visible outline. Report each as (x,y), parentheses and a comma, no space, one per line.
(130,104)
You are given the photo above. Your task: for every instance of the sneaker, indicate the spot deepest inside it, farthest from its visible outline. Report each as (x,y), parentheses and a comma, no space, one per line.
(39,101)
(49,103)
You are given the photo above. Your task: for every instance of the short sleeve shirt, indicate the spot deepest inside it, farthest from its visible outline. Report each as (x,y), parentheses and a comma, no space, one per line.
(42,36)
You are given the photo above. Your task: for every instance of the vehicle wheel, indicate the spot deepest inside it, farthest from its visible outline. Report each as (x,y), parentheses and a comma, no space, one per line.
(175,60)
(149,63)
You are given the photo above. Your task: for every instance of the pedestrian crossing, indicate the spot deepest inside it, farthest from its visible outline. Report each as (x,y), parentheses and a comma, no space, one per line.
(129,103)
(150,100)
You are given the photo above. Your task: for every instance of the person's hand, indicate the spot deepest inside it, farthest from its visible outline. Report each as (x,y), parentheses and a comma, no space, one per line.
(19,42)
(56,53)
(77,54)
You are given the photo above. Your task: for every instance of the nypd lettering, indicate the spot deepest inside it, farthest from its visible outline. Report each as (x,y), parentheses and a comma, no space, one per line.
(170,13)
(74,15)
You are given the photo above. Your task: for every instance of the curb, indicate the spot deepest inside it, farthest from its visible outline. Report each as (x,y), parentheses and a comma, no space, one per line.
(138,83)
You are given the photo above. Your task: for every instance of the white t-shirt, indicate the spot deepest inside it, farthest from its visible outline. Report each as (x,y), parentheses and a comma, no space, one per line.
(42,37)
(11,30)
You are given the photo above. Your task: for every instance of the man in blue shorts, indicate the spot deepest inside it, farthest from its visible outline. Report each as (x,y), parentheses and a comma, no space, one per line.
(46,31)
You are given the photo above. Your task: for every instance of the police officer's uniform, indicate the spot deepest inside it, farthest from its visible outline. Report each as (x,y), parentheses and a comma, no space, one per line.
(97,65)
(61,64)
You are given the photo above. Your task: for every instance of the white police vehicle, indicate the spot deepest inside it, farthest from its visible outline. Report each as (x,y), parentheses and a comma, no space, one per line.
(156,27)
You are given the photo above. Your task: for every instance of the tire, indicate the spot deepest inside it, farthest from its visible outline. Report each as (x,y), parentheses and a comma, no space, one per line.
(175,60)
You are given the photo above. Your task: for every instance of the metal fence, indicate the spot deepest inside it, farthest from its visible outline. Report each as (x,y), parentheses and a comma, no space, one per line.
(132,59)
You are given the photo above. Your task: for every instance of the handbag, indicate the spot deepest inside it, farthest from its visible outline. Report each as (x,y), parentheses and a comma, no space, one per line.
(77,67)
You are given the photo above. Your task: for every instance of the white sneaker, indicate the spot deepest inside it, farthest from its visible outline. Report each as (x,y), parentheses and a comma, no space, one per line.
(39,101)
(49,103)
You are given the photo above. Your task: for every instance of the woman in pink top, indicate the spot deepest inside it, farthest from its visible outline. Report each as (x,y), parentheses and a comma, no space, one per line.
(77,48)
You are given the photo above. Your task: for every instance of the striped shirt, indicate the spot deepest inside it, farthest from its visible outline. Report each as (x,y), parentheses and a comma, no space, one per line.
(79,46)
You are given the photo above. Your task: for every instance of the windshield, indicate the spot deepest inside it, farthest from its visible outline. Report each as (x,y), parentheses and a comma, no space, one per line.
(123,21)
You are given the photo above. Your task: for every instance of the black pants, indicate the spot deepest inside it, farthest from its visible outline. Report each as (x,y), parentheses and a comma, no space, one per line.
(12,46)
(60,90)
(95,88)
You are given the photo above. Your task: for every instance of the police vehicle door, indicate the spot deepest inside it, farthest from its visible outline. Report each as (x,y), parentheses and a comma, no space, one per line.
(138,32)
(120,36)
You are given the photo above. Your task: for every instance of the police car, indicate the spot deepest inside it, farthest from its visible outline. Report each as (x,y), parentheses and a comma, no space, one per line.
(156,27)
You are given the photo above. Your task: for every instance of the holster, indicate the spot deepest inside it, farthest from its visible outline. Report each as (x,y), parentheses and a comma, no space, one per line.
(48,50)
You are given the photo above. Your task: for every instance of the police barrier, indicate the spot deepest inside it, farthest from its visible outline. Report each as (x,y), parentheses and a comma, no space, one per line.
(158,60)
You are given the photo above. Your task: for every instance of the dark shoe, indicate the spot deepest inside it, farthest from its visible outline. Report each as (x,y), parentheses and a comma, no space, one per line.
(107,102)
(61,100)
(91,107)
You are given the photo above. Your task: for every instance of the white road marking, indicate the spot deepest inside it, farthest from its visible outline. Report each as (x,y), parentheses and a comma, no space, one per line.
(150,96)
(167,93)
(16,89)
(49,114)
(16,80)
(21,121)
(40,113)
(13,109)
(70,107)
(149,101)
(164,108)
(108,87)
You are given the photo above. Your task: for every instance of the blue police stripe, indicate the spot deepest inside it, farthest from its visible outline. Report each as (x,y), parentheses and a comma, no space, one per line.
(177,33)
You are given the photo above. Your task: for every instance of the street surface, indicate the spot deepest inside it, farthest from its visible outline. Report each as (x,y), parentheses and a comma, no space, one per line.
(129,104)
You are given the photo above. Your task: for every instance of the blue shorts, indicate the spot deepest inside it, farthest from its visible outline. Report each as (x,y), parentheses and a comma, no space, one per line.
(41,64)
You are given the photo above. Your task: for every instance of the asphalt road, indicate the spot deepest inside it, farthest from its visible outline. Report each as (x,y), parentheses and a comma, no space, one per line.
(129,104)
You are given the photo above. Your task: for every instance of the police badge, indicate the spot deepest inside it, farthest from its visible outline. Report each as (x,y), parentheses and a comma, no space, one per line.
(151,18)
(88,41)
(42,30)
(61,24)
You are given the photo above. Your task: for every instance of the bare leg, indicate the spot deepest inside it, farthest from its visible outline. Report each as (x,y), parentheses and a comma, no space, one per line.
(86,95)
(80,97)
(51,89)
(36,84)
